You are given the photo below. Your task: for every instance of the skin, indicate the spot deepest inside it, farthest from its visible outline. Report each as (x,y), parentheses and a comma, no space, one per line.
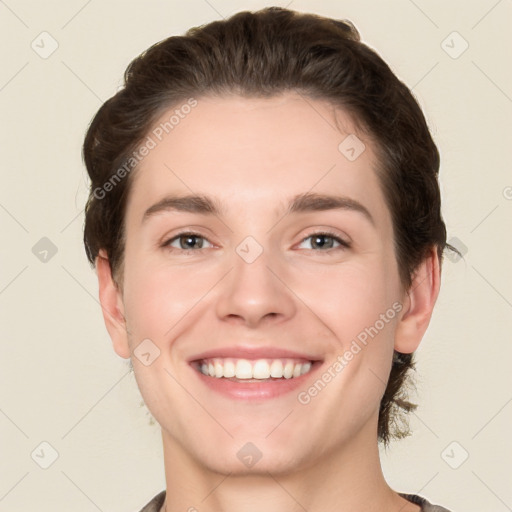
(253,155)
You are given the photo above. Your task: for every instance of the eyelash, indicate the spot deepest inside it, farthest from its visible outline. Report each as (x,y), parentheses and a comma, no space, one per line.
(343,243)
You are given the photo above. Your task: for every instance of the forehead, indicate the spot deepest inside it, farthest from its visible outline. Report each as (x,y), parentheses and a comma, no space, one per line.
(246,151)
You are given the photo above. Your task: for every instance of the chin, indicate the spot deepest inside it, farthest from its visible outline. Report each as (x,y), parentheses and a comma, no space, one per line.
(258,457)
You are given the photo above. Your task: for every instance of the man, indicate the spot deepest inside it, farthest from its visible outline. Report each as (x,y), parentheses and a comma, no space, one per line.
(264,219)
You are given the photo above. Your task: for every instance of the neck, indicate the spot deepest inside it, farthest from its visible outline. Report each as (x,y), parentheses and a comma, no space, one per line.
(348,479)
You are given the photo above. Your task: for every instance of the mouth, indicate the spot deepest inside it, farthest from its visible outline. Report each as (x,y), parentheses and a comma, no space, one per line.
(254,378)
(247,370)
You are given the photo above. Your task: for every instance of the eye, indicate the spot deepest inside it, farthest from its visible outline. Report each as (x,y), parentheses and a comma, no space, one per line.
(325,241)
(191,242)
(186,242)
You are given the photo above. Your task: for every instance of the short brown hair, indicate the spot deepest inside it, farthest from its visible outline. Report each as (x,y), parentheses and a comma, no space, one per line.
(263,54)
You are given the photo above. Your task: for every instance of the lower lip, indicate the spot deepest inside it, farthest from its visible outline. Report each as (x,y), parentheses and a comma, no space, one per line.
(256,390)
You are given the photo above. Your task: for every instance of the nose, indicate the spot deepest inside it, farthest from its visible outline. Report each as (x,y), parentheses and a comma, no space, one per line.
(255,293)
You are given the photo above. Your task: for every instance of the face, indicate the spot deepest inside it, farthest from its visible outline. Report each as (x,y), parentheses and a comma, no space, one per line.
(284,266)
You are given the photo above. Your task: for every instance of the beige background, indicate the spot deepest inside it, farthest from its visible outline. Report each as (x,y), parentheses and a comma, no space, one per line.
(61,382)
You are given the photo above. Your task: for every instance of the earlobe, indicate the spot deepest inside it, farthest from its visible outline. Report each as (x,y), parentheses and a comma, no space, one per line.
(112,306)
(420,301)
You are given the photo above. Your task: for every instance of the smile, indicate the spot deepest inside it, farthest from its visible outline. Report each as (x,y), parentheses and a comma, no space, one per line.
(253,370)
(255,380)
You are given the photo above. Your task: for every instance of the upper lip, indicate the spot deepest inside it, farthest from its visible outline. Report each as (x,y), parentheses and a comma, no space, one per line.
(249,352)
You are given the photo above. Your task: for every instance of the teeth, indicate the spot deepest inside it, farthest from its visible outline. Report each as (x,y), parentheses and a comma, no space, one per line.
(288,370)
(243,369)
(276,369)
(259,369)
(229,369)
(219,370)
(305,368)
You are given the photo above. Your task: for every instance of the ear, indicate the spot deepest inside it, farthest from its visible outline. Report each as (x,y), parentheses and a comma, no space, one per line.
(112,306)
(419,304)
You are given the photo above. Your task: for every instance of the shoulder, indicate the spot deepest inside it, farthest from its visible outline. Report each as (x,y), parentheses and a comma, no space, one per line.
(155,504)
(425,505)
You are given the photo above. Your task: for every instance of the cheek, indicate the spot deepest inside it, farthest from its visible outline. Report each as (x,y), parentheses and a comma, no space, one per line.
(359,305)
(351,297)
(347,297)
(158,297)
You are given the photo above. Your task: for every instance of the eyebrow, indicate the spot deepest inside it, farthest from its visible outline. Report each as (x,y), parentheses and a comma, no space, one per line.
(301,203)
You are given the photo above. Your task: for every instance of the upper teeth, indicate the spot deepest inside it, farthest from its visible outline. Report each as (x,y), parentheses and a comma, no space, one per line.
(253,369)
